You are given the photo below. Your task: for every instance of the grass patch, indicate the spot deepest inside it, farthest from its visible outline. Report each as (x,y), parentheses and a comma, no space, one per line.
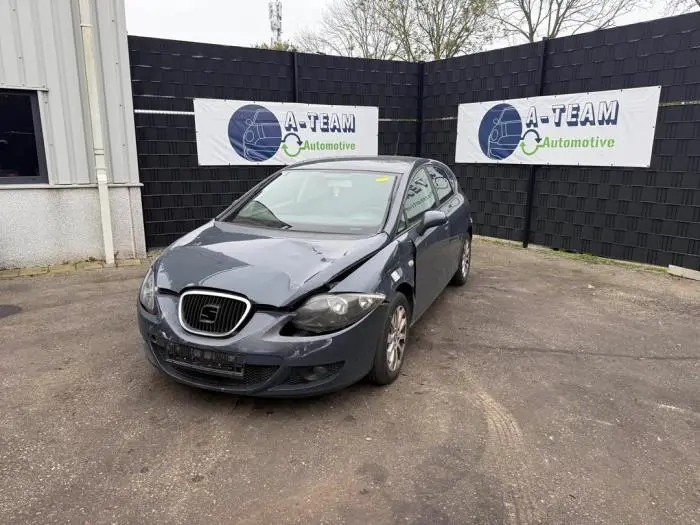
(583,257)
(500,242)
(594,259)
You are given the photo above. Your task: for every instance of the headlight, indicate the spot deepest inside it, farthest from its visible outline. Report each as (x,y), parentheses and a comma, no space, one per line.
(329,312)
(147,295)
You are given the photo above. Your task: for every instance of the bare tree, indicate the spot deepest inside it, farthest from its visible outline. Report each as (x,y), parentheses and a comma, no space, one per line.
(435,29)
(407,29)
(681,6)
(350,28)
(534,19)
(280,45)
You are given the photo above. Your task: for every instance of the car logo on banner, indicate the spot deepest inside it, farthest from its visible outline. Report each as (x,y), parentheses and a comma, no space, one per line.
(255,133)
(500,131)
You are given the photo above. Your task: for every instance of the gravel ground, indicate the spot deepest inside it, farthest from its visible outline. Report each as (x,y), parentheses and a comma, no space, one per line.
(547,390)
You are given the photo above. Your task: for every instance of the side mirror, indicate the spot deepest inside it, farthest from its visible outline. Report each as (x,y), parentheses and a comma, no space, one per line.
(431,218)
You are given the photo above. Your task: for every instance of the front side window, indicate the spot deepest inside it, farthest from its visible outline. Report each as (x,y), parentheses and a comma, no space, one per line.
(21,149)
(323,201)
(419,196)
(441,181)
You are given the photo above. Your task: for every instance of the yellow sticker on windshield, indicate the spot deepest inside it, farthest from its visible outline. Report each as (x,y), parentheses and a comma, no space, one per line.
(381,179)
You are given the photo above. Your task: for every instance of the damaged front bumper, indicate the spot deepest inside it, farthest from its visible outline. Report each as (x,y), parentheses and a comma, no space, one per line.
(258,360)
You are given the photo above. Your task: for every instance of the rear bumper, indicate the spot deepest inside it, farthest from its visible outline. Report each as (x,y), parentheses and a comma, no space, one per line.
(267,363)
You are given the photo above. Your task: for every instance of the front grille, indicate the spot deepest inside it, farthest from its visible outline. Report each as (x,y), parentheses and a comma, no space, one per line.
(212,313)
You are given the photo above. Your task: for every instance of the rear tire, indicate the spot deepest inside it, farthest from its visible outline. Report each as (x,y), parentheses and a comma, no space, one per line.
(391,347)
(465,262)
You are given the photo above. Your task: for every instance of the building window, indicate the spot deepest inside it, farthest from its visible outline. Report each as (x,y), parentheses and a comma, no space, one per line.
(22,158)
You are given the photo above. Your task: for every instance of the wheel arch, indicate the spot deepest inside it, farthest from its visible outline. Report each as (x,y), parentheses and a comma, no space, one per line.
(407,290)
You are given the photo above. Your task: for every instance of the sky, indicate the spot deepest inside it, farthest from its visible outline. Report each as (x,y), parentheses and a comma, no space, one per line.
(242,22)
(232,22)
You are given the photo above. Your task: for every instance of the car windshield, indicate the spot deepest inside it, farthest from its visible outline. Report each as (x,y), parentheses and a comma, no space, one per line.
(324,201)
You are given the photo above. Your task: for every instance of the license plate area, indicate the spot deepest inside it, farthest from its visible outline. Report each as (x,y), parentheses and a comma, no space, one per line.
(210,361)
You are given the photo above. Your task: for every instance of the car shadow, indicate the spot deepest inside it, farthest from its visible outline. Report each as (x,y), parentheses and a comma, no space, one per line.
(311,406)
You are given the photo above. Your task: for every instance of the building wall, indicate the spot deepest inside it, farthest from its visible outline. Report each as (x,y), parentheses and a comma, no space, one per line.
(41,226)
(41,50)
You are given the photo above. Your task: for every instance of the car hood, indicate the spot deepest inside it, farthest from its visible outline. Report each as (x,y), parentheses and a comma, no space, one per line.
(269,267)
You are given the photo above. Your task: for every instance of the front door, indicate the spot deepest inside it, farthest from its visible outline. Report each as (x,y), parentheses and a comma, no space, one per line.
(430,267)
(451,202)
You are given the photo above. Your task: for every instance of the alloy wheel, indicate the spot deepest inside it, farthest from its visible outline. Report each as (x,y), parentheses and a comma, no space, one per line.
(396,338)
(466,257)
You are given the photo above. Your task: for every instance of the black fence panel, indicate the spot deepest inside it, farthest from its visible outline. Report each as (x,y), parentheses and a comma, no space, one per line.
(497,193)
(659,53)
(168,74)
(511,72)
(391,86)
(178,194)
(647,215)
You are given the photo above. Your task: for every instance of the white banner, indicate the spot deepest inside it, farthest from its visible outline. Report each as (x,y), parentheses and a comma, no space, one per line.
(605,128)
(235,132)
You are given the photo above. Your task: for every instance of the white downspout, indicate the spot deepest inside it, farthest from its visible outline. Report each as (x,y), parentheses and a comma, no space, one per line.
(96,124)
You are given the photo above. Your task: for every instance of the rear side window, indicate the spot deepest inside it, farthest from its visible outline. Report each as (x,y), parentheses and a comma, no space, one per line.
(419,196)
(442,182)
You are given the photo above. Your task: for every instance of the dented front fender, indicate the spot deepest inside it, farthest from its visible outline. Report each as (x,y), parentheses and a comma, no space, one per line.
(384,272)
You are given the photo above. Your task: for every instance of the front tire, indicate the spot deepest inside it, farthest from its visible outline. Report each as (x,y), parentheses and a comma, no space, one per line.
(391,347)
(465,262)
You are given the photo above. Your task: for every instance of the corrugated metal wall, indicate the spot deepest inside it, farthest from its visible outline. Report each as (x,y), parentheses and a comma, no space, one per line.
(41,49)
(120,136)
(38,51)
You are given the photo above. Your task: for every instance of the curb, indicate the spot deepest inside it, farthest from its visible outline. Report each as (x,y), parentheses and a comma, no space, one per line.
(596,259)
(583,257)
(75,267)
(687,273)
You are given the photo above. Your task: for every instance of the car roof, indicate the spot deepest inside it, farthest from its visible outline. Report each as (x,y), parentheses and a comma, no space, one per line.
(384,164)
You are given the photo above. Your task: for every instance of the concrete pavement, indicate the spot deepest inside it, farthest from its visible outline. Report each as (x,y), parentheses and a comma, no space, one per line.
(547,390)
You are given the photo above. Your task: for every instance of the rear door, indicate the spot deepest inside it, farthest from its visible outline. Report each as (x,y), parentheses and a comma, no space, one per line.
(430,262)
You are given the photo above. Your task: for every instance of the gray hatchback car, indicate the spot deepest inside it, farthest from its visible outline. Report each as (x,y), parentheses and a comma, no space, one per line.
(311,280)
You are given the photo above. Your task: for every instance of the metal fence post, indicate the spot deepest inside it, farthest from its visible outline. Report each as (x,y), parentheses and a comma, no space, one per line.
(295,78)
(419,110)
(539,88)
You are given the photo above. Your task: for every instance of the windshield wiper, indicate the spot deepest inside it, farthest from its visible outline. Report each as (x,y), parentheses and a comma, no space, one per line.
(258,208)
(268,223)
